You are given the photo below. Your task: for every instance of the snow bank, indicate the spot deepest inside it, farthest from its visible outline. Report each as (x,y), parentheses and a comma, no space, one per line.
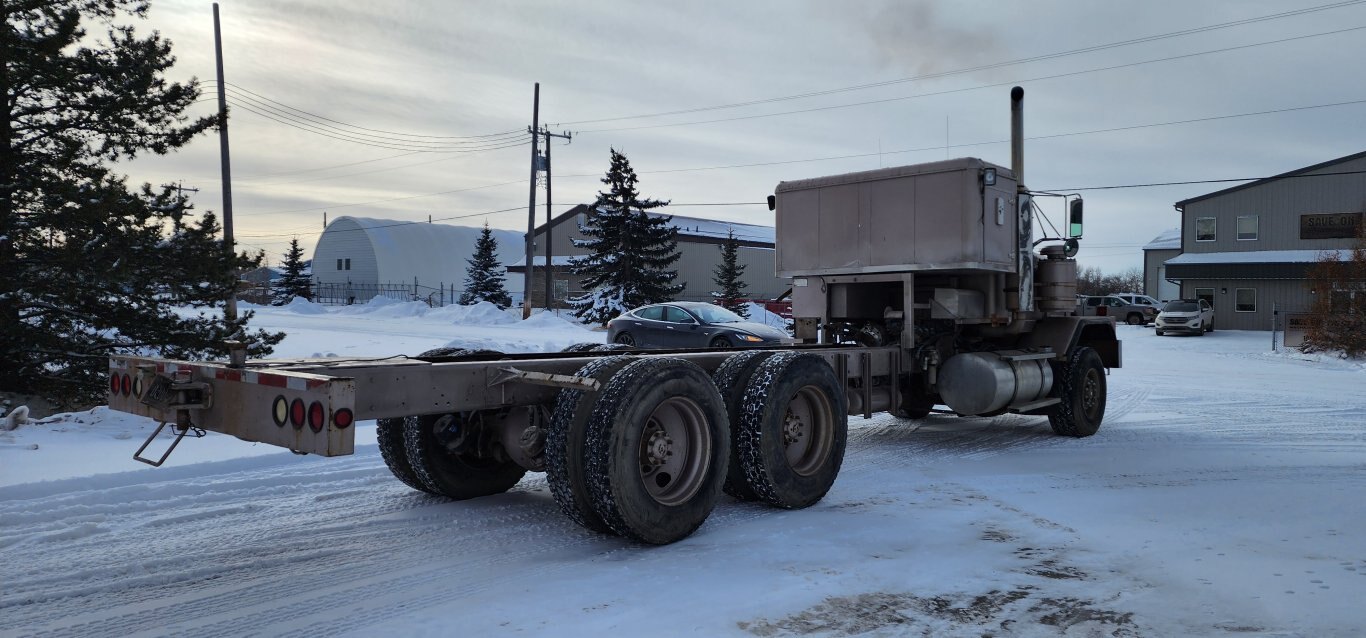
(759,314)
(303,306)
(479,314)
(552,321)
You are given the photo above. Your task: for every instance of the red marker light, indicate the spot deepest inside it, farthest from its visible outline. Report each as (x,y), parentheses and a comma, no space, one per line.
(343,418)
(296,413)
(315,417)
(126,384)
(113,383)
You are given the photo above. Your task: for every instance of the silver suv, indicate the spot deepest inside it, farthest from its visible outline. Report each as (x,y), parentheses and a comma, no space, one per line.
(1185,315)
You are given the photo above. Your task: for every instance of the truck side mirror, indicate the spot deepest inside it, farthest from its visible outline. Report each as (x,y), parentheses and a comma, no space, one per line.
(1074,219)
(772,202)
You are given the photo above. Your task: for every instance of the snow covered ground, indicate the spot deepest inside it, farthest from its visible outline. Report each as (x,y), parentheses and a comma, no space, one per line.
(1222,496)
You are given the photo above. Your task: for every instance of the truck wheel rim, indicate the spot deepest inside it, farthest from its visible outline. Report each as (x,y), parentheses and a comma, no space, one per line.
(1090,394)
(675,451)
(808,430)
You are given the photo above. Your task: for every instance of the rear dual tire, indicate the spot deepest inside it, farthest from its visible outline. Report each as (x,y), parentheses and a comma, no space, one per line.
(657,443)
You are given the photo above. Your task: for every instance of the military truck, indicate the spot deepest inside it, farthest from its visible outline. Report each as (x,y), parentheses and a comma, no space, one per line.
(917,289)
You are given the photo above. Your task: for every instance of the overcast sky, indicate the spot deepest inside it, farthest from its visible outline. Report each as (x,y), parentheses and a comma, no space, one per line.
(413,73)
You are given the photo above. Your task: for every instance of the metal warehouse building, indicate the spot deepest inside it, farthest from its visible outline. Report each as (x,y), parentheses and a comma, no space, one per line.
(361,257)
(699,247)
(1248,249)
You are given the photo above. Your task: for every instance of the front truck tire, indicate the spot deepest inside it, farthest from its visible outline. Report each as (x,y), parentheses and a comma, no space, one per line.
(1082,394)
(792,429)
(657,447)
(566,439)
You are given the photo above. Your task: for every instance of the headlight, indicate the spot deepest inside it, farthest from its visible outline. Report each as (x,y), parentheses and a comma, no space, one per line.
(750,338)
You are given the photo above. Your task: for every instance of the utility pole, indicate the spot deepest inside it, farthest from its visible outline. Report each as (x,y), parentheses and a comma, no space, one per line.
(549,250)
(180,194)
(230,311)
(531,208)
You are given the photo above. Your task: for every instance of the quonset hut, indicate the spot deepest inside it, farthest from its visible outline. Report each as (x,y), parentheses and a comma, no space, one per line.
(358,258)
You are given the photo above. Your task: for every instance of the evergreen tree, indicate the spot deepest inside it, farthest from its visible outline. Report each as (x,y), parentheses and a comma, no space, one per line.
(297,279)
(91,265)
(484,277)
(631,250)
(727,277)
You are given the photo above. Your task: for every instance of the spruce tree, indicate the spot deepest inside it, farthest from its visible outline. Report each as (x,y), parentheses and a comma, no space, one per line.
(630,250)
(727,277)
(297,278)
(484,277)
(90,265)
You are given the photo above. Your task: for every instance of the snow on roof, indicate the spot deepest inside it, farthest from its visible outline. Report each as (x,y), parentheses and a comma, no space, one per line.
(697,227)
(539,260)
(1258,257)
(1168,240)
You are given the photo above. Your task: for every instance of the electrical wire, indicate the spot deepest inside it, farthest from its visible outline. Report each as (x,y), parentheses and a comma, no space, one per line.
(994,65)
(386,145)
(1204,181)
(237,88)
(382,201)
(970,88)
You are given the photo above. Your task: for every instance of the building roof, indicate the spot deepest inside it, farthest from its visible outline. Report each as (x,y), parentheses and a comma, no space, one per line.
(1265,180)
(1168,240)
(709,229)
(1257,257)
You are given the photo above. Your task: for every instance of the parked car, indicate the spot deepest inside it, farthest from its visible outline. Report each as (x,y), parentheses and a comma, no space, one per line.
(686,324)
(1137,299)
(1111,306)
(1185,315)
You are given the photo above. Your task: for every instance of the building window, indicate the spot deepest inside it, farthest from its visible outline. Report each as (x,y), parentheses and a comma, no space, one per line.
(1204,229)
(348,264)
(1205,293)
(339,264)
(1245,300)
(1247,227)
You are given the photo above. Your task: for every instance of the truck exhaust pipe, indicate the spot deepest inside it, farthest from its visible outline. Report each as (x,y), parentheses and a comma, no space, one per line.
(1017,135)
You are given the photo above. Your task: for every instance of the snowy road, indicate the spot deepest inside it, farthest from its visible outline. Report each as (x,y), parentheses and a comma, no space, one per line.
(1221,497)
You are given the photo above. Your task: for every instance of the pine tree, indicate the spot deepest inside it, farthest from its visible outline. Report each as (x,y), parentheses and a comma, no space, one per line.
(91,265)
(297,279)
(484,277)
(727,277)
(630,250)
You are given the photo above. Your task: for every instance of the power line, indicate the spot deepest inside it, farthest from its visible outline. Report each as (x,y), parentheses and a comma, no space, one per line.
(386,139)
(1203,181)
(971,88)
(382,201)
(984,67)
(396,146)
(829,158)
(389,133)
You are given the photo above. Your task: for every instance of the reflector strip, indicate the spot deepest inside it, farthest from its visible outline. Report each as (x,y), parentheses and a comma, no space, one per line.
(315,417)
(296,414)
(280,411)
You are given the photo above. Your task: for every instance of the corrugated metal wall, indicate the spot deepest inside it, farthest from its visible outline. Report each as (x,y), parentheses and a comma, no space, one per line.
(345,239)
(1286,296)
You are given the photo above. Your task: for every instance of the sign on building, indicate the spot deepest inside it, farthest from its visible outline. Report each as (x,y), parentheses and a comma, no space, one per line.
(1330,226)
